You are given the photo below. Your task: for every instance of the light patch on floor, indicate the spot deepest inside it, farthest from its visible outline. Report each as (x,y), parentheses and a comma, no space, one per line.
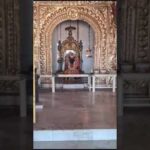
(75,135)
(76,109)
(76,139)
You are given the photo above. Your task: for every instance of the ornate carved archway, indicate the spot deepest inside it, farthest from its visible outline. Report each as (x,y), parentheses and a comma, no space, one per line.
(100,17)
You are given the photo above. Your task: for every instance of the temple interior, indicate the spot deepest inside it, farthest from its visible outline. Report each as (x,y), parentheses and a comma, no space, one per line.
(74,74)
(75,70)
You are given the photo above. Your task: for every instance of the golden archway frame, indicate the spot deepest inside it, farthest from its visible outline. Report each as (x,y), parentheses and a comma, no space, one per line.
(98,15)
(48,28)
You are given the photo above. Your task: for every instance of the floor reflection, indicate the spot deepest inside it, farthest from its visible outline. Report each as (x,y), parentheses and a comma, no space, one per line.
(76,109)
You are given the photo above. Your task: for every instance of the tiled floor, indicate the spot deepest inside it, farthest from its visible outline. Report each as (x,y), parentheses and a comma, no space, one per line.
(133,131)
(76,109)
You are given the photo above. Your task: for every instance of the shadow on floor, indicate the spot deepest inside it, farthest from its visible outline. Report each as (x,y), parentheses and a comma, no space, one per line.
(133,130)
(15,132)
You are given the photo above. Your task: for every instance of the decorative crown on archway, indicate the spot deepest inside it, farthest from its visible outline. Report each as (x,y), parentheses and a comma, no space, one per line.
(70,28)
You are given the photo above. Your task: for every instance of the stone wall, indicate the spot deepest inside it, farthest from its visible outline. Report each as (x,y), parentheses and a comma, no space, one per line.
(134,46)
(134,23)
(9,42)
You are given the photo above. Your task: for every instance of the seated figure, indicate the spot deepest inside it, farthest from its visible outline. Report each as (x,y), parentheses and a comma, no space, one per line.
(72,64)
(70,54)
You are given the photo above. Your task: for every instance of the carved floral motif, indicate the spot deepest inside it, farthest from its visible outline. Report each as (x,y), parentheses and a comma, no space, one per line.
(142,29)
(97,14)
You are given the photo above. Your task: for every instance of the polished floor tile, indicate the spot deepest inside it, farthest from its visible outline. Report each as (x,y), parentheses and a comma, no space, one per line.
(76,109)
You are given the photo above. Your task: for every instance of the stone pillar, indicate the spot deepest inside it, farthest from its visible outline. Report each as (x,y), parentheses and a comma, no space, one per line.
(23,99)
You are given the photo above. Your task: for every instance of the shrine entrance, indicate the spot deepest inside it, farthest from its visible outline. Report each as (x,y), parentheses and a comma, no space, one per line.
(72,52)
(75,59)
